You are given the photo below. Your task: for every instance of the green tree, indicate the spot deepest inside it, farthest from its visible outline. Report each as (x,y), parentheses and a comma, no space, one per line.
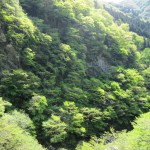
(22,120)
(2,106)
(73,118)
(138,138)
(36,107)
(55,129)
(145,56)
(18,86)
(93,121)
(15,138)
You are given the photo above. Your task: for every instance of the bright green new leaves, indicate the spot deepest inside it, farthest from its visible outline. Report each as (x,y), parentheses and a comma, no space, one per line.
(12,12)
(68,53)
(93,144)
(2,106)
(22,120)
(141,132)
(137,139)
(55,129)
(133,77)
(29,55)
(15,130)
(37,104)
(14,138)
(69,121)
(145,57)
(36,107)
(70,115)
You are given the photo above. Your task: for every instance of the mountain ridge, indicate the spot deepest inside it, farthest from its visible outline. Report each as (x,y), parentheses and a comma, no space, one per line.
(136,8)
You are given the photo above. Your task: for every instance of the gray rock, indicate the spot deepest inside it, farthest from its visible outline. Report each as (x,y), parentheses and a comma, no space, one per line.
(12,54)
(2,36)
(98,65)
(102,63)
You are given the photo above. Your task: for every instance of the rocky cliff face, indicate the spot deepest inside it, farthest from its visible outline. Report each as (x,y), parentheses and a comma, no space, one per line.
(2,36)
(9,58)
(100,64)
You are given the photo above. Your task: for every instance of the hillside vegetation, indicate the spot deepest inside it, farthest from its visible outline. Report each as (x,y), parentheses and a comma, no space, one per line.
(133,13)
(68,73)
(137,8)
(138,138)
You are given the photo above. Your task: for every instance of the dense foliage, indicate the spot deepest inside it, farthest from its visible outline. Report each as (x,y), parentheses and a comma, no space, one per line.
(136,24)
(16,130)
(138,138)
(69,71)
(136,8)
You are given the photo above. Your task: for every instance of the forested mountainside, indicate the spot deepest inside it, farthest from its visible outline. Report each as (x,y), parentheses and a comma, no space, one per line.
(126,12)
(69,73)
(136,8)
(138,138)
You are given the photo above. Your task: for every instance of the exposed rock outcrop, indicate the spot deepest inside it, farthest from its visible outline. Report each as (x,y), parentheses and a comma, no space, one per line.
(100,64)
(8,55)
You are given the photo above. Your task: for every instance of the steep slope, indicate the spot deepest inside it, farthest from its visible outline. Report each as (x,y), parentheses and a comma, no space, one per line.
(136,8)
(123,13)
(138,138)
(71,68)
(16,130)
